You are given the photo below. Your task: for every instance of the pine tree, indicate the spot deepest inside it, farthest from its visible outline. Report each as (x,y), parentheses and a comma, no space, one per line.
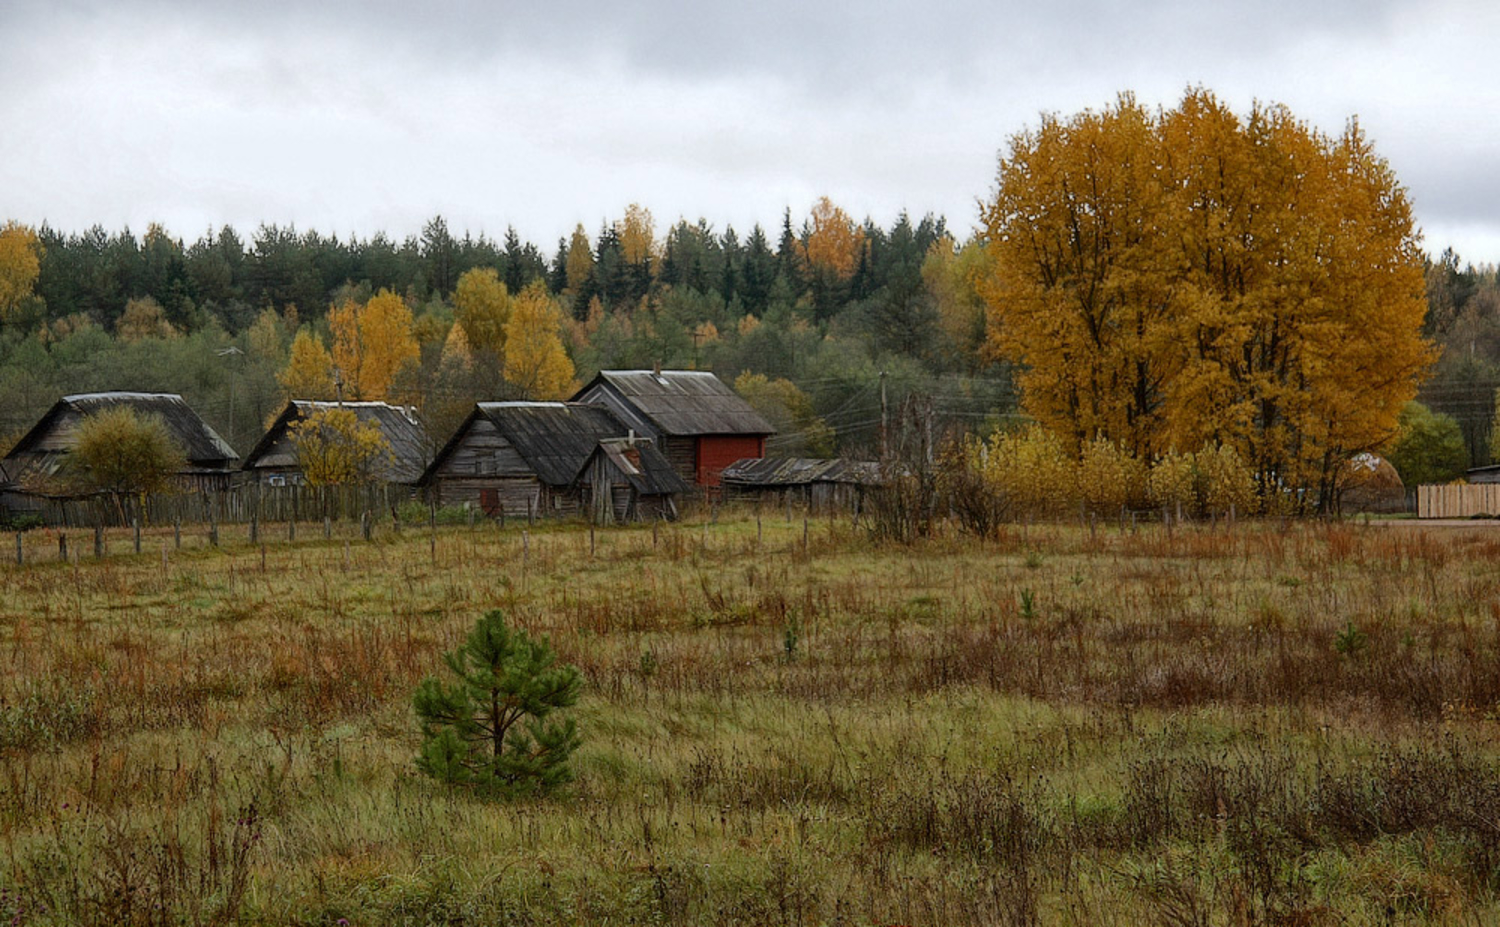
(490,730)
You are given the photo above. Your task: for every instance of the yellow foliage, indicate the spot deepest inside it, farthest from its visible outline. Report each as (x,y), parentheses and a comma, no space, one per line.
(748,324)
(1191,279)
(456,352)
(1226,480)
(265,335)
(333,446)
(834,242)
(637,233)
(1172,482)
(482,307)
(535,360)
(1110,477)
(580,261)
(20,263)
(309,371)
(143,318)
(1033,470)
(371,343)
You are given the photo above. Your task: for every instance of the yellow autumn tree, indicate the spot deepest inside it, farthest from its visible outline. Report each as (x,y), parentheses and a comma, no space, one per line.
(1190,279)
(834,242)
(333,447)
(535,361)
(579,263)
(143,318)
(482,307)
(20,264)
(371,343)
(637,233)
(309,370)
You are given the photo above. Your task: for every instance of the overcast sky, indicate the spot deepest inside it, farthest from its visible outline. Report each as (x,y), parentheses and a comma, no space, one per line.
(356,117)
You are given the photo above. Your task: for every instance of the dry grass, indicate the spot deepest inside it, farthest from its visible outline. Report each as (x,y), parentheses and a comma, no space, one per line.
(1270,724)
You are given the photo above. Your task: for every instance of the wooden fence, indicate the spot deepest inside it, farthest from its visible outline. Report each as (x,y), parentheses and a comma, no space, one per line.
(1458,501)
(240,505)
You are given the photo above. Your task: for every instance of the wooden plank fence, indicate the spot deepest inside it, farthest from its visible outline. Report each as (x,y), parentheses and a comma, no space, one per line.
(239,505)
(1458,501)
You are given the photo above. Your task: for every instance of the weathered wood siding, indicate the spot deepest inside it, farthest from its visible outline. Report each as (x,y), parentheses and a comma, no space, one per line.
(682,454)
(483,451)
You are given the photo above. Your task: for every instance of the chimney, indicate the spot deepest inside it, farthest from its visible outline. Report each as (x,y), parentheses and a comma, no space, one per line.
(657,369)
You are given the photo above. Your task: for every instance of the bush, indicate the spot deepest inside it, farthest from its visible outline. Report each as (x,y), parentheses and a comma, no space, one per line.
(490,730)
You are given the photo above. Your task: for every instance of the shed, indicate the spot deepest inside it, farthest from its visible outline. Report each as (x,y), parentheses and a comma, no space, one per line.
(36,459)
(520,458)
(273,460)
(698,422)
(817,483)
(628,479)
(1490,474)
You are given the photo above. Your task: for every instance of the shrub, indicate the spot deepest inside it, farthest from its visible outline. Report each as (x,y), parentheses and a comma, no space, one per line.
(491,729)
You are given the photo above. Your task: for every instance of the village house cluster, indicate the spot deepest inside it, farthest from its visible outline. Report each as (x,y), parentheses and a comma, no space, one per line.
(628,446)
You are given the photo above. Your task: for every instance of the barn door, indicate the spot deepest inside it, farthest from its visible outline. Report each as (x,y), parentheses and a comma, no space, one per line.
(489,502)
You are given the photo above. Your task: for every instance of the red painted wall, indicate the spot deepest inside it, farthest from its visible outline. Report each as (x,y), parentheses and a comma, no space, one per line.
(715,452)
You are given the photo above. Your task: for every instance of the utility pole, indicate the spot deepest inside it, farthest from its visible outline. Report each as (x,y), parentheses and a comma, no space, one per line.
(885,447)
(231,351)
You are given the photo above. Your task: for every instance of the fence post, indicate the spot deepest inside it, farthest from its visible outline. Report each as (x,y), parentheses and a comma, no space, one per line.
(98,540)
(366,525)
(20,554)
(62,546)
(291,529)
(254,527)
(177,533)
(327,528)
(136,526)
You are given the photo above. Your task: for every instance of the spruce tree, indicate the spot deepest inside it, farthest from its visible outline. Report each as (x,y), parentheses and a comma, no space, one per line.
(491,729)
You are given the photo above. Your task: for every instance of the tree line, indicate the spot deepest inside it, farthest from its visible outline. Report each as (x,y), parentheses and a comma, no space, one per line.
(1174,283)
(237,325)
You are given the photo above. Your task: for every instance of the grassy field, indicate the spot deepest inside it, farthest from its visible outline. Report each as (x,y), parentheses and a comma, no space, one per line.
(1266,724)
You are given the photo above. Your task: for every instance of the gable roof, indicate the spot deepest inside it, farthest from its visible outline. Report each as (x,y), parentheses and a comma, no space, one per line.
(401,430)
(200,444)
(684,402)
(799,471)
(555,439)
(653,476)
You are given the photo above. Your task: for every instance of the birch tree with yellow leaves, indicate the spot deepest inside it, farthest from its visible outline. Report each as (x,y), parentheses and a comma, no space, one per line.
(535,361)
(1191,278)
(371,343)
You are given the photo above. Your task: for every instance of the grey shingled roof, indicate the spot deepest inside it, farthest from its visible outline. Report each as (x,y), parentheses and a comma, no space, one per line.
(555,439)
(799,471)
(400,428)
(685,402)
(200,444)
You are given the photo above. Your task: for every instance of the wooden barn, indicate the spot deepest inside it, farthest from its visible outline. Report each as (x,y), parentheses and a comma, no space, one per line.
(521,458)
(33,464)
(273,460)
(628,479)
(697,421)
(815,483)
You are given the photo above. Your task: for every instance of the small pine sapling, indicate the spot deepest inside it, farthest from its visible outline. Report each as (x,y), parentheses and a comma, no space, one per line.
(491,730)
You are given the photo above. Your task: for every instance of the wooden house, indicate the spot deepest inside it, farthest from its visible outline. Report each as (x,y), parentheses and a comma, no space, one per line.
(628,479)
(521,458)
(698,423)
(34,463)
(273,460)
(817,484)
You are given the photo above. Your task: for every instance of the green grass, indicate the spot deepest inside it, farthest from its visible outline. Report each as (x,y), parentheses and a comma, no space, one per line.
(1138,728)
